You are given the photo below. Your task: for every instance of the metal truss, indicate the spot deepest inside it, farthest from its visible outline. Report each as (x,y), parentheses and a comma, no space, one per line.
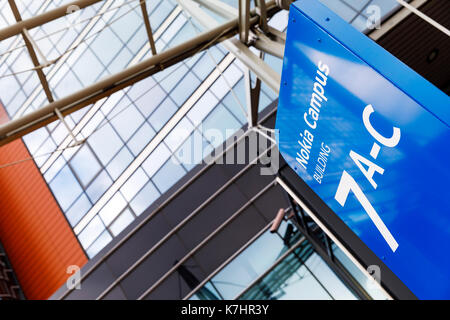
(251,25)
(39,20)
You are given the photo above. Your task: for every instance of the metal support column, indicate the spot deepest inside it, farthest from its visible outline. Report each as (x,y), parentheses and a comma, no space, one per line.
(32,52)
(244,19)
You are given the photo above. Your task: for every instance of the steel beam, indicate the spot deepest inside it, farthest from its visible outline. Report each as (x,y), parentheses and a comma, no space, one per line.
(261,10)
(244,20)
(270,40)
(148,27)
(261,69)
(270,44)
(31,51)
(252,98)
(46,17)
(71,103)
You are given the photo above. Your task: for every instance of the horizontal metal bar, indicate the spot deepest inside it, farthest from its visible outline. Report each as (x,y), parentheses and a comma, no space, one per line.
(41,117)
(264,43)
(46,17)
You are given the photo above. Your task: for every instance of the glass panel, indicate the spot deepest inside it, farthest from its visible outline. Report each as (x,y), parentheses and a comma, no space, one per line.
(203,106)
(156,159)
(121,222)
(134,184)
(112,209)
(168,175)
(326,276)
(99,244)
(127,122)
(159,118)
(99,186)
(289,280)
(105,142)
(85,165)
(91,232)
(78,210)
(141,138)
(144,198)
(65,188)
(148,102)
(119,163)
(374,292)
(221,124)
(179,134)
(185,88)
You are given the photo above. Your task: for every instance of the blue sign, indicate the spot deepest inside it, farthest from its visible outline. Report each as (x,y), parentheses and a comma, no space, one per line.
(371,137)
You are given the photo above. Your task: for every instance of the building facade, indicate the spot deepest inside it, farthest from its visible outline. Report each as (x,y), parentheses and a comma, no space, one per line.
(116,189)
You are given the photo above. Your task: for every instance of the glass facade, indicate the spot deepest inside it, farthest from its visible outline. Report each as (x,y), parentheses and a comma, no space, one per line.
(283,266)
(133,148)
(101,187)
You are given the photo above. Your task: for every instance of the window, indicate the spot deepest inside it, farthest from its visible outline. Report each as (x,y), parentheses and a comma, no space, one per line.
(85,165)
(65,188)
(78,210)
(91,232)
(121,222)
(105,142)
(99,186)
(144,198)
(156,159)
(127,121)
(112,209)
(134,184)
(168,175)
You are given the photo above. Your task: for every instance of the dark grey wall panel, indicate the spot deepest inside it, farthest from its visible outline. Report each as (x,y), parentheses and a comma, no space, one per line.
(173,288)
(230,239)
(113,263)
(198,192)
(153,268)
(93,285)
(137,245)
(116,294)
(208,219)
(253,182)
(270,202)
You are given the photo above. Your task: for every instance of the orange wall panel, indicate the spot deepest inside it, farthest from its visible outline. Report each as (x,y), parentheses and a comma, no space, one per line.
(33,230)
